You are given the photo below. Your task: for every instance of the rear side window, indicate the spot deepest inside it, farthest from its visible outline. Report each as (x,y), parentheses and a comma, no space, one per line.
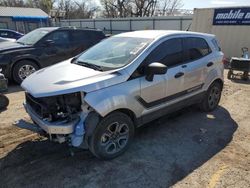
(78,36)
(86,35)
(168,53)
(95,35)
(195,48)
(216,45)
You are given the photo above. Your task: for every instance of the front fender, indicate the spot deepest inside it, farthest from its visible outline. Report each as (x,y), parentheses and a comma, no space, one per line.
(27,57)
(120,96)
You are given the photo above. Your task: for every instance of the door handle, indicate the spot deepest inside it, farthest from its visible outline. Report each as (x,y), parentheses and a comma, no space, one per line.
(210,64)
(184,66)
(179,74)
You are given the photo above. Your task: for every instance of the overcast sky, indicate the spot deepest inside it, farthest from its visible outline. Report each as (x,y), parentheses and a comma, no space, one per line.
(190,4)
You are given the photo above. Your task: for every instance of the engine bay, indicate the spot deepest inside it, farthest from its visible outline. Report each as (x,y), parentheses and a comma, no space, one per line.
(56,108)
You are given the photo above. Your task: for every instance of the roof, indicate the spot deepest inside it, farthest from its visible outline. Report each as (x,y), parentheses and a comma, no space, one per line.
(154,34)
(223,7)
(48,28)
(22,11)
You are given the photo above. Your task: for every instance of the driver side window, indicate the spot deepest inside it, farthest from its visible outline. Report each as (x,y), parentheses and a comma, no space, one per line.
(168,53)
(58,37)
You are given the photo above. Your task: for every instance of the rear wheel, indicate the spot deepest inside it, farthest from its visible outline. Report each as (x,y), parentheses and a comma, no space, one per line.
(112,136)
(23,69)
(212,97)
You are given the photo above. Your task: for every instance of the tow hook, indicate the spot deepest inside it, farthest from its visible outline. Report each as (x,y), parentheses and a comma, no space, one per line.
(77,136)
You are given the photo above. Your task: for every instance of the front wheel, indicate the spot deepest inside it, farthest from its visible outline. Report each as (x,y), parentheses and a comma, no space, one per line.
(212,97)
(4,102)
(112,136)
(23,69)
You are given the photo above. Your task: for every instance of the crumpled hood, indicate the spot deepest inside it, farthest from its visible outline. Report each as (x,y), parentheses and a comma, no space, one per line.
(66,77)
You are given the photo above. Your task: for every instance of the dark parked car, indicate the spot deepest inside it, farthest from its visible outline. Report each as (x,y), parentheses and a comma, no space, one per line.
(43,47)
(10,34)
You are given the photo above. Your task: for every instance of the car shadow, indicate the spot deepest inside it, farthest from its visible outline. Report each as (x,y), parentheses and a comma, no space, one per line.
(12,88)
(239,80)
(163,152)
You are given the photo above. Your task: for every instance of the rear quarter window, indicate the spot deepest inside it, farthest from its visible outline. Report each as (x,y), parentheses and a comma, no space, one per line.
(216,45)
(96,35)
(78,36)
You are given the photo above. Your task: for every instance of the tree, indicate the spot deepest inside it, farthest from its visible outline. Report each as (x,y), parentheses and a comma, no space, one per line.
(116,8)
(45,5)
(144,8)
(139,8)
(12,3)
(168,7)
(78,9)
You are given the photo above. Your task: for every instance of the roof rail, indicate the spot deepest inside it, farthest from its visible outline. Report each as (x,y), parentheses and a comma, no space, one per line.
(68,27)
(74,27)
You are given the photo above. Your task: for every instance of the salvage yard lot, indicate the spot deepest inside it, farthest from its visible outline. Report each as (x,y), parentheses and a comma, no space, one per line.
(188,149)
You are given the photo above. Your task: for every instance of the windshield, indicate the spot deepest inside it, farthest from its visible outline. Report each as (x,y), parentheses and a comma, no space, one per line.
(32,37)
(114,52)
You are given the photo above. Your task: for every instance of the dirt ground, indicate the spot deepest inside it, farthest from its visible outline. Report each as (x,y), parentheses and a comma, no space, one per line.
(188,149)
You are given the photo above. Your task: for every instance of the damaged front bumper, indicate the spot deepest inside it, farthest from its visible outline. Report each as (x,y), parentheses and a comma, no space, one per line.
(62,127)
(72,131)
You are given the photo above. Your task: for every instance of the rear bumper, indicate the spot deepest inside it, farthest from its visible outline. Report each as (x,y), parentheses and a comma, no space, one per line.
(62,127)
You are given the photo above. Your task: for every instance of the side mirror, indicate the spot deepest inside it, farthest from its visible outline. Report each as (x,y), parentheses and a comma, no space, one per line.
(48,42)
(155,68)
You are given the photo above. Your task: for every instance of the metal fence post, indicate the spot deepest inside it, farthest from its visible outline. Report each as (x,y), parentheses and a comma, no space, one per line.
(181,27)
(130,24)
(94,23)
(153,24)
(110,25)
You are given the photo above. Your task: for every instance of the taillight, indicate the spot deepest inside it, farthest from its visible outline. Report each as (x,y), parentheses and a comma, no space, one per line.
(225,61)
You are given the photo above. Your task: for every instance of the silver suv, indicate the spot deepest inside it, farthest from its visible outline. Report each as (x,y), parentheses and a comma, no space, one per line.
(97,99)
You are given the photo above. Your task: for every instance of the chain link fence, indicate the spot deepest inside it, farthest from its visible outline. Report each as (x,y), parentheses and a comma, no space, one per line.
(119,25)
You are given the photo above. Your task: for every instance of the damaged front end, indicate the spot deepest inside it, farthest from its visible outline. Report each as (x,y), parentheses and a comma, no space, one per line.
(61,117)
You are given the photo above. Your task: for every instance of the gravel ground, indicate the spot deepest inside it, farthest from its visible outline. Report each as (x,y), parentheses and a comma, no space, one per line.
(187,149)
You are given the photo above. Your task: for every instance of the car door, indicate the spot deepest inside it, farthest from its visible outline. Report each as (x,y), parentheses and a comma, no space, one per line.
(196,57)
(55,47)
(163,87)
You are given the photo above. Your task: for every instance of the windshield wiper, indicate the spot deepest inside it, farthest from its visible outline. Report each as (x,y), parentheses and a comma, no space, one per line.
(92,66)
(20,42)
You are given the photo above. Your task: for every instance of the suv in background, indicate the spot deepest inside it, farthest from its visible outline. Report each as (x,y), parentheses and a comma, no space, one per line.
(43,47)
(10,34)
(96,100)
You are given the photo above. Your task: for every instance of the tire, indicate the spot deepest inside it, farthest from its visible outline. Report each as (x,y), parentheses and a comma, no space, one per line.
(4,102)
(245,75)
(112,136)
(229,74)
(212,97)
(23,69)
